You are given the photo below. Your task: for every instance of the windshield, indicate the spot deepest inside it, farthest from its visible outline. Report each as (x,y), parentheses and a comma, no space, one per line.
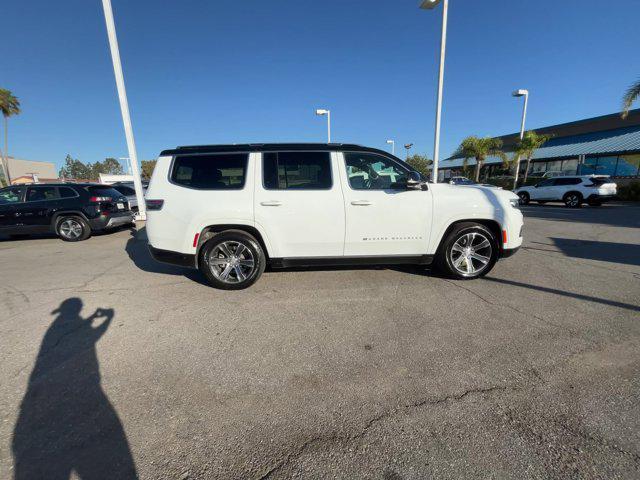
(10,195)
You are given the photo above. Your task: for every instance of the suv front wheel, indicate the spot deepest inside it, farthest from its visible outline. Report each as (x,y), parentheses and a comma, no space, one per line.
(572,199)
(469,251)
(232,260)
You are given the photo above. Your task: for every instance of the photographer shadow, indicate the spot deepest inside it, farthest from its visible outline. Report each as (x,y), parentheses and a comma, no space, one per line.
(66,423)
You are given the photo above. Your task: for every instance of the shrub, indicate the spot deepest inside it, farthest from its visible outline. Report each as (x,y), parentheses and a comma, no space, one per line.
(629,192)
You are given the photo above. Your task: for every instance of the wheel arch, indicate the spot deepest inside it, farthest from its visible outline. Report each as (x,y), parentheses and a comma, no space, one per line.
(493,226)
(67,213)
(210,231)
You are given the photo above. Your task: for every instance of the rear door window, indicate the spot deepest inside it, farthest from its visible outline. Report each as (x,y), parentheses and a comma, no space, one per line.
(297,170)
(38,194)
(226,171)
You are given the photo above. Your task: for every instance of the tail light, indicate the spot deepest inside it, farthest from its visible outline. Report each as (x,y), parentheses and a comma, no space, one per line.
(100,199)
(154,204)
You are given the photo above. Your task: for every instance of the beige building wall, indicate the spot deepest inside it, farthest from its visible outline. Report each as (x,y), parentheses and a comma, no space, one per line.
(25,168)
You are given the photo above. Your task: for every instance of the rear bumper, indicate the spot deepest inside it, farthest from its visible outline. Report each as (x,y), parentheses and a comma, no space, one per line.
(600,198)
(173,258)
(111,221)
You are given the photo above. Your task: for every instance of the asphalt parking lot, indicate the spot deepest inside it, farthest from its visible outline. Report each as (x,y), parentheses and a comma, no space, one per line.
(114,366)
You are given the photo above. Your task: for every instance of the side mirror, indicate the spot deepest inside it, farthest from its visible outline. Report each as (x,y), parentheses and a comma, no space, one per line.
(415,182)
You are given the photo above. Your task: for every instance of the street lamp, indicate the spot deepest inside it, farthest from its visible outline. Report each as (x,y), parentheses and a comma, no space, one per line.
(430,5)
(321,112)
(525,94)
(128,160)
(408,147)
(124,106)
(393,146)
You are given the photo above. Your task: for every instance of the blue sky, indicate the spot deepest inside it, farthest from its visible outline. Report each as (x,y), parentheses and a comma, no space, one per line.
(225,71)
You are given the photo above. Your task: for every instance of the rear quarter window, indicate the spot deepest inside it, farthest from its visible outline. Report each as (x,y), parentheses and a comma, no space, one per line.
(226,171)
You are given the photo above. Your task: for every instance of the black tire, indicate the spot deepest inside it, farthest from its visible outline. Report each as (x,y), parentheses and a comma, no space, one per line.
(572,199)
(525,198)
(72,228)
(446,257)
(235,270)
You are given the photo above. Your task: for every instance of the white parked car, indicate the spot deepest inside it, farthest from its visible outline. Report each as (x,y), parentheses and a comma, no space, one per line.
(231,209)
(572,190)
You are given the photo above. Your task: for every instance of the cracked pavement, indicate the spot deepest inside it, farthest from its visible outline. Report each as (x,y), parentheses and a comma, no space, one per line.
(377,373)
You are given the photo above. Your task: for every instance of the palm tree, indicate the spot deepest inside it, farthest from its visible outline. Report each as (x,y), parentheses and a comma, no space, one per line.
(9,105)
(528,146)
(480,149)
(630,96)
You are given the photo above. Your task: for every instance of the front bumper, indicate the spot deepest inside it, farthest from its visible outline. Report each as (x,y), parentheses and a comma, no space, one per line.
(173,258)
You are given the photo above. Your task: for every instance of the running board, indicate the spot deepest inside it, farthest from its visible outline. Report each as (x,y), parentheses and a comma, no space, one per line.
(350,261)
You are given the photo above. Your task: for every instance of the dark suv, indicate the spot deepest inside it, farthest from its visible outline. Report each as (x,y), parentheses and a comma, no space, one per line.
(71,211)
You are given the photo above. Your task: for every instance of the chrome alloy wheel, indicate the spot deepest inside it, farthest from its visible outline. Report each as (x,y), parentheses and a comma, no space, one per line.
(471,254)
(70,229)
(231,262)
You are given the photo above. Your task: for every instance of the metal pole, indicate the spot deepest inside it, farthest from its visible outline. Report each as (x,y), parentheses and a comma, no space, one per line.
(443,43)
(393,148)
(124,106)
(328,126)
(524,117)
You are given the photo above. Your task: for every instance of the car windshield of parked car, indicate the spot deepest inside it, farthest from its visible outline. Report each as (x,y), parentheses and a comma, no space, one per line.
(10,195)
(464,181)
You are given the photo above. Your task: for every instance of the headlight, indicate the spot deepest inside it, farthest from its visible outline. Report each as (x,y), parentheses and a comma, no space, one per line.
(515,202)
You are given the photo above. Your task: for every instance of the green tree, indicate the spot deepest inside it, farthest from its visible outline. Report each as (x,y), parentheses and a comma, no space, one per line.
(630,96)
(9,105)
(74,168)
(147,168)
(479,149)
(528,146)
(110,166)
(420,163)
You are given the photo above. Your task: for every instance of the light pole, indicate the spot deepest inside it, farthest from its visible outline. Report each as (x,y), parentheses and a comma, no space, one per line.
(430,5)
(124,106)
(525,94)
(408,146)
(128,160)
(321,112)
(393,146)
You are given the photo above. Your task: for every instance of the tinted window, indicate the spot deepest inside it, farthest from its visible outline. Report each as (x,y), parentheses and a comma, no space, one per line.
(102,191)
(11,195)
(567,181)
(599,181)
(369,171)
(545,183)
(125,190)
(297,170)
(35,194)
(210,172)
(67,192)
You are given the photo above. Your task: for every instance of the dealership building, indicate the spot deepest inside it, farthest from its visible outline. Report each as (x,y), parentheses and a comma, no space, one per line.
(606,145)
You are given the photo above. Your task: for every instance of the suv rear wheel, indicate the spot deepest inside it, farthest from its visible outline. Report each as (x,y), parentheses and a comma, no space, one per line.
(72,228)
(572,199)
(232,260)
(469,251)
(524,198)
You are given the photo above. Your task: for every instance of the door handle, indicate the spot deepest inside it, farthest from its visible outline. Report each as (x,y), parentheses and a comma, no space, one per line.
(271,203)
(361,203)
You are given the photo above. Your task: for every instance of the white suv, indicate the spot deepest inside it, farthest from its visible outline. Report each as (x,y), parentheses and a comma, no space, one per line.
(231,209)
(573,191)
